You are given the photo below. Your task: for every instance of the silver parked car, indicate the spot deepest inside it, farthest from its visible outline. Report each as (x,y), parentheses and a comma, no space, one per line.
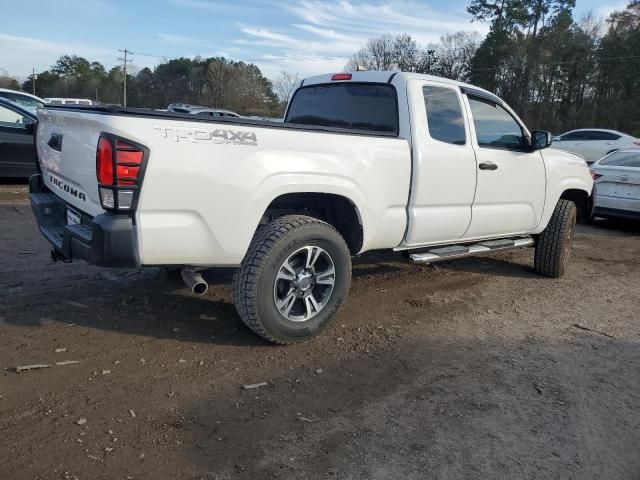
(617,180)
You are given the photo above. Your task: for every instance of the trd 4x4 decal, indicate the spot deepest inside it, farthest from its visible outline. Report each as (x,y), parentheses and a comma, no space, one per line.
(201,135)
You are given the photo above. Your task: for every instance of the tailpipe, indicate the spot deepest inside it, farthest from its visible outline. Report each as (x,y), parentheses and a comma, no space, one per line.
(194,281)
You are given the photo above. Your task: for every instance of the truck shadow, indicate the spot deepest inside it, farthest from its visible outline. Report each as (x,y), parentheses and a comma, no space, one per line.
(493,265)
(154,303)
(505,264)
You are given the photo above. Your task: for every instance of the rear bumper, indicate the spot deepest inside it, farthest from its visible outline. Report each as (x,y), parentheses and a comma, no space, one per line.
(107,240)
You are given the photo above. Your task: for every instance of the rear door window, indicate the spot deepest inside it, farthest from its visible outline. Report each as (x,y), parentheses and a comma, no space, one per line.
(595,135)
(358,106)
(444,115)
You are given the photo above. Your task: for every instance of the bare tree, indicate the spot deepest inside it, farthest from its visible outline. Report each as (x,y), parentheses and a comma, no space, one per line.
(381,50)
(285,84)
(406,53)
(387,52)
(454,53)
(378,54)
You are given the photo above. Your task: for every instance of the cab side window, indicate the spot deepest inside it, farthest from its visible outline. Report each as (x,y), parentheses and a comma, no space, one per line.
(444,115)
(495,127)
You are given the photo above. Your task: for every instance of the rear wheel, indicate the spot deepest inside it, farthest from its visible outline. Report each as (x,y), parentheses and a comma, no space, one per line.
(293,279)
(553,247)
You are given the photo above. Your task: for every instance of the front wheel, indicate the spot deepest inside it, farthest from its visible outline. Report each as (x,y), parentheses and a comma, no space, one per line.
(293,279)
(553,247)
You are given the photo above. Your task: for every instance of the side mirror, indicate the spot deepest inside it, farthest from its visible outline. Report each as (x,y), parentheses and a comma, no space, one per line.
(540,139)
(30,125)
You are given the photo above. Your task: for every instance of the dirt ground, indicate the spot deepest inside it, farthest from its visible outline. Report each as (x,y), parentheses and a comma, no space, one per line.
(474,369)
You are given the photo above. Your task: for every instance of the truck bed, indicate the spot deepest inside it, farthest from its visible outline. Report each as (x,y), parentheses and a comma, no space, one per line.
(208,182)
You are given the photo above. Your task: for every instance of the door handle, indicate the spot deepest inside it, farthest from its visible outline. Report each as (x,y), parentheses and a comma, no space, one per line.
(488,166)
(55,141)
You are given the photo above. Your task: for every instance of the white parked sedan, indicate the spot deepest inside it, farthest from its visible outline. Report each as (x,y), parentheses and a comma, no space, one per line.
(24,99)
(593,143)
(617,180)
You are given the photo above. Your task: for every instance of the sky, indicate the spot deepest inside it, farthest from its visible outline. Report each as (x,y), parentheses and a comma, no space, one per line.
(299,36)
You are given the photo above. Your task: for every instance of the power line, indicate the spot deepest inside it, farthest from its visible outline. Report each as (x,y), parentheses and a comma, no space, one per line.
(595,59)
(311,58)
(256,59)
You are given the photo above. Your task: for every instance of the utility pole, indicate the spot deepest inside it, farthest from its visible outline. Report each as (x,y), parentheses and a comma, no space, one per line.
(126,52)
(33,80)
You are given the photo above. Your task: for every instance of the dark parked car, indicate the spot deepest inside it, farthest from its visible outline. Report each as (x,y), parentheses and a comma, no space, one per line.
(17,149)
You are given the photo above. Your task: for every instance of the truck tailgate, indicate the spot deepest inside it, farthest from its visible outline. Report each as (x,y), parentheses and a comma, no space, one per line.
(66,142)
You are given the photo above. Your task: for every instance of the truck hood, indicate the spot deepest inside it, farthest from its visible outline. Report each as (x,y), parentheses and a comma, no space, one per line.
(563,157)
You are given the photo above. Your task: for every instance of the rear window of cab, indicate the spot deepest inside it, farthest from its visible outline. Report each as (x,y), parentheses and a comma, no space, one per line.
(368,107)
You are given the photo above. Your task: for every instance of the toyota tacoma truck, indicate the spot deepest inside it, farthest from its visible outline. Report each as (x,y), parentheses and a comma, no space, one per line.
(362,161)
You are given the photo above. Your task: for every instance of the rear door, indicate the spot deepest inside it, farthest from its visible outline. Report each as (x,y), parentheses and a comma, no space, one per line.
(444,176)
(598,144)
(511,182)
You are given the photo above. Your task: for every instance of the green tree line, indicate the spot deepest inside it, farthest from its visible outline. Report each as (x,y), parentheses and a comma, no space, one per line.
(556,72)
(214,82)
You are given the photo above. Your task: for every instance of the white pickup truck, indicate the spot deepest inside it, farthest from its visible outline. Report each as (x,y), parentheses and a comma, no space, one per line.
(362,161)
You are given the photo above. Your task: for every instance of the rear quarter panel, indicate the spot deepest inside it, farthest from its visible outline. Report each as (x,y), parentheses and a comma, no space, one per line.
(207,185)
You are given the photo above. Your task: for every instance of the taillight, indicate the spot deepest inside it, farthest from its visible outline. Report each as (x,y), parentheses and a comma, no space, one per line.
(104,161)
(594,175)
(119,171)
(341,76)
(637,143)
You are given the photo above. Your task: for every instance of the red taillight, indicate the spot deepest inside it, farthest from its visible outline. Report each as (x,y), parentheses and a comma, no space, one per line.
(118,168)
(128,161)
(637,143)
(104,161)
(127,156)
(127,175)
(341,76)
(594,175)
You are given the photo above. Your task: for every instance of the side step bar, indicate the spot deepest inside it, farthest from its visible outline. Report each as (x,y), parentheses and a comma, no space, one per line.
(457,251)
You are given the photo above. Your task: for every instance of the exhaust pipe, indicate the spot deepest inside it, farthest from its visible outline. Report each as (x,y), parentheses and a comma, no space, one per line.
(194,281)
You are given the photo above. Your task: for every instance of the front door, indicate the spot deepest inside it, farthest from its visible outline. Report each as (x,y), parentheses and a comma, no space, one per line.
(444,164)
(17,151)
(510,192)
(571,142)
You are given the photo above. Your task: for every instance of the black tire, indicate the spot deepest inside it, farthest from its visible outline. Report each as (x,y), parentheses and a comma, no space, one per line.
(553,247)
(253,283)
